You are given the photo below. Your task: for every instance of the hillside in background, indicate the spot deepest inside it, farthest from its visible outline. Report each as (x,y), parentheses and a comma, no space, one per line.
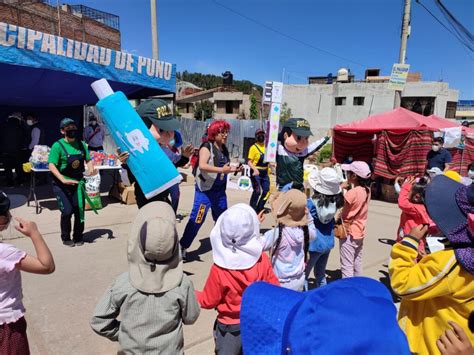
(209,81)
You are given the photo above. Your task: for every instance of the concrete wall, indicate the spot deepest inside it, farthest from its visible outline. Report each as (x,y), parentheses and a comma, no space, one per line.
(316,102)
(44,18)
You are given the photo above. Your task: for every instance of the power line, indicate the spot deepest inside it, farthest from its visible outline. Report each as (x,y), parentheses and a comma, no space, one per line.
(309,45)
(461,40)
(458,26)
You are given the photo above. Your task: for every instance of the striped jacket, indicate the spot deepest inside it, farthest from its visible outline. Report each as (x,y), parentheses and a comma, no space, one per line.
(433,291)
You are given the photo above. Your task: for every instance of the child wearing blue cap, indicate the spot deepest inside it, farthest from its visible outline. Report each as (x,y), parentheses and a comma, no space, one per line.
(349,316)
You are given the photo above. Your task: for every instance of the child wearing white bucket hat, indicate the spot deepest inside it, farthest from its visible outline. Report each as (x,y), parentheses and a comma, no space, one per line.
(238,262)
(154,298)
(327,198)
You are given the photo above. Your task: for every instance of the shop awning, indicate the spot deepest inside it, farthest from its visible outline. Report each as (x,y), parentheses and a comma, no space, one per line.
(42,70)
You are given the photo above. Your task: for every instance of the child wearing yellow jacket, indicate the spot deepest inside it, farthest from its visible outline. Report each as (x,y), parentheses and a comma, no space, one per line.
(440,287)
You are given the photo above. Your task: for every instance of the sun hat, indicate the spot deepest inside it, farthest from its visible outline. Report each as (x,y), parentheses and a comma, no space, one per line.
(11,201)
(451,206)
(66,122)
(453,175)
(234,238)
(434,171)
(289,208)
(348,316)
(298,126)
(158,113)
(360,168)
(154,260)
(326,181)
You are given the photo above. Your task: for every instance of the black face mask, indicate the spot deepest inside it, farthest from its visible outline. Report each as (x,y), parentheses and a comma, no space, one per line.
(71,133)
(260,139)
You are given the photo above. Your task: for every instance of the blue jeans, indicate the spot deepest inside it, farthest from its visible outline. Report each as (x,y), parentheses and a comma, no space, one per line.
(318,262)
(174,194)
(215,199)
(261,186)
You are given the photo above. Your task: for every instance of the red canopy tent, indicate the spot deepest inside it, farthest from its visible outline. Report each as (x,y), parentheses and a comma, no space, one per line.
(393,143)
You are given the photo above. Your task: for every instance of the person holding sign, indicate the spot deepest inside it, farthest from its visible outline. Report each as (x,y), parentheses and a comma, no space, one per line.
(211,181)
(293,149)
(66,162)
(156,115)
(260,178)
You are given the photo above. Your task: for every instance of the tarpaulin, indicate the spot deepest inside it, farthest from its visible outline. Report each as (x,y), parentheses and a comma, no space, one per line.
(359,146)
(40,69)
(402,154)
(462,157)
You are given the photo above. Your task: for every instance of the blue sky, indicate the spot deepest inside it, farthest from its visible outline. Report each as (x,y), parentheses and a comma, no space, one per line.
(201,36)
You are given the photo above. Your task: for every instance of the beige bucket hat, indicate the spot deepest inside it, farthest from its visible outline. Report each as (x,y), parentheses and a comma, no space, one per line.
(154,259)
(289,208)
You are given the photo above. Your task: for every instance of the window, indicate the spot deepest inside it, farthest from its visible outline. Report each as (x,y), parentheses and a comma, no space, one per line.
(359,100)
(229,107)
(340,101)
(451,109)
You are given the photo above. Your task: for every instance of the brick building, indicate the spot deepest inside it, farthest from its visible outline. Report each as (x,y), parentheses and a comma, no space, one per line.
(75,22)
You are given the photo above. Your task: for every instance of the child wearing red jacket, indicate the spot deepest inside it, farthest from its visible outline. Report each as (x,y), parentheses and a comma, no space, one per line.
(239,261)
(411,202)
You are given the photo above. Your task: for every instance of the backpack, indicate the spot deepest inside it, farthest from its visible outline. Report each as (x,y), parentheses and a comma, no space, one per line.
(205,180)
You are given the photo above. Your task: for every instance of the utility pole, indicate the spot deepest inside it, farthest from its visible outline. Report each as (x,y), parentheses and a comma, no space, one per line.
(403,45)
(154,30)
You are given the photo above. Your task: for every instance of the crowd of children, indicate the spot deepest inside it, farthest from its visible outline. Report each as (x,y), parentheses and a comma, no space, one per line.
(258,282)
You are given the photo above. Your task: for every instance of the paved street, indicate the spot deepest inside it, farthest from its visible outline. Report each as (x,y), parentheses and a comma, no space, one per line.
(59,305)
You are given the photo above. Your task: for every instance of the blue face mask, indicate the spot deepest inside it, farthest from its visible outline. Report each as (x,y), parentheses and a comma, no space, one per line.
(172,142)
(325,213)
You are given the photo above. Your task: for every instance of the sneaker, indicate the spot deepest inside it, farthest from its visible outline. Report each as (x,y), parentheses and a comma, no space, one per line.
(79,243)
(68,243)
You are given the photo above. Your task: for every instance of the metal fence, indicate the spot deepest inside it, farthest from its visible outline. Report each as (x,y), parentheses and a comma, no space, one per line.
(193,130)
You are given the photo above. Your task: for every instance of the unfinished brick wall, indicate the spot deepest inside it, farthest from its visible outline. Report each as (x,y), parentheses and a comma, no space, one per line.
(44,18)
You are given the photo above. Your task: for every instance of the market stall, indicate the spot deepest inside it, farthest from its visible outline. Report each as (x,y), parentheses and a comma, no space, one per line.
(394,143)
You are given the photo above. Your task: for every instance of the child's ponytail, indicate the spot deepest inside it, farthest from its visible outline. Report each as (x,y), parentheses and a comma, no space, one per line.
(278,241)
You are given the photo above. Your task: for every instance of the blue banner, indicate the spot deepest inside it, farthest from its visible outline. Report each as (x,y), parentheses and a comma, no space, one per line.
(30,48)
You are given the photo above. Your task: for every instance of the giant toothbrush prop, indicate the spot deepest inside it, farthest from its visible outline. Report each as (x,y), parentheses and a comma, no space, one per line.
(148,163)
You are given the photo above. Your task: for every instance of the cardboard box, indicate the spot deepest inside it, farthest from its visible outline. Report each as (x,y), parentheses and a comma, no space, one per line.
(128,195)
(125,194)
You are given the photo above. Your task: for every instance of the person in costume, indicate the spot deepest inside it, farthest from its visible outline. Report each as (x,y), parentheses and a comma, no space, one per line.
(211,181)
(156,115)
(293,149)
(260,172)
(66,163)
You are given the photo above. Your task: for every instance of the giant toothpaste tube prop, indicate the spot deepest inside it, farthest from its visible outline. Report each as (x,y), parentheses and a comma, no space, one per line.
(153,170)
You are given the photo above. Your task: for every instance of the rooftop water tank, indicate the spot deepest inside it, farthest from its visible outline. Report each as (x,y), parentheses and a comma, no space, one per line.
(343,75)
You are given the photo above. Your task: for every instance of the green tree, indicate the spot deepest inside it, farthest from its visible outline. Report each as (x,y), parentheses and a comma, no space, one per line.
(203,110)
(285,113)
(253,107)
(210,81)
